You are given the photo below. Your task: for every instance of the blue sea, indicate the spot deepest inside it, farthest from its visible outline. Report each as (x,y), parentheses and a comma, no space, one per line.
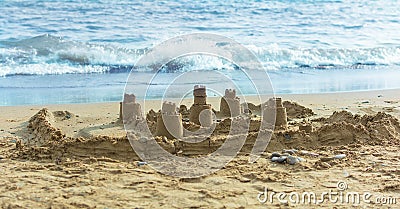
(74,51)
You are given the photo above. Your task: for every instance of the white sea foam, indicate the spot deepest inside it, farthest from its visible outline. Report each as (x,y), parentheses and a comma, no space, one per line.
(52,68)
(52,55)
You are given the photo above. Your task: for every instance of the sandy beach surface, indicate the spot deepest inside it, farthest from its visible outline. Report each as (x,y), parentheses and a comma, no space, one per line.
(77,156)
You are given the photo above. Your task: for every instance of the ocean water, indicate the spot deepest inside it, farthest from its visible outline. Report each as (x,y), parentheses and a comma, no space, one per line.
(82,51)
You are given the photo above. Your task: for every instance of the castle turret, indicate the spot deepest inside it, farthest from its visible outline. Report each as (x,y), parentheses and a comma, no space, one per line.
(128,109)
(274,107)
(230,104)
(169,122)
(200,111)
(129,98)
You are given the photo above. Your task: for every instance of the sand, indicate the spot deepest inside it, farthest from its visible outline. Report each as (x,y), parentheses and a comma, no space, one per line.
(78,156)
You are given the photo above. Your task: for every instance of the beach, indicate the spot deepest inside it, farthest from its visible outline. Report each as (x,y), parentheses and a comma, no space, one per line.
(104,171)
(314,121)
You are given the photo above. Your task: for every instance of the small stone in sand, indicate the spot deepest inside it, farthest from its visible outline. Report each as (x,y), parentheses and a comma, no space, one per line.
(341,156)
(275,154)
(287,137)
(141,163)
(289,151)
(312,154)
(292,160)
(279,159)
(326,159)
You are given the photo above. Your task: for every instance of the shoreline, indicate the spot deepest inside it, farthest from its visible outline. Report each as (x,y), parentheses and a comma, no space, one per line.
(305,99)
(366,93)
(95,88)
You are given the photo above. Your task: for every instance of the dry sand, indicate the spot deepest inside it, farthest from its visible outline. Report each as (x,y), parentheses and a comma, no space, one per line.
(77,156)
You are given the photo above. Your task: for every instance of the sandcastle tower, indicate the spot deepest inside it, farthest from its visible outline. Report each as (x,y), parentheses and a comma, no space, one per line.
(129,109)
(275,107)
(169,122)
(200,112)
(230,104)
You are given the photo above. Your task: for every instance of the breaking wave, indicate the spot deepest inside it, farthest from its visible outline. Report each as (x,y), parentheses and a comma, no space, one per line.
(48,54)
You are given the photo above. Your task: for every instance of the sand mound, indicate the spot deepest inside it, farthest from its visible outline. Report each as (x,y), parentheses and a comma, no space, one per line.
(341,116)
(45,135)
(342,128)
(295,110)
(254,109)
(372,129)
(151,116)
(62,115)
(341,133)
(42,129)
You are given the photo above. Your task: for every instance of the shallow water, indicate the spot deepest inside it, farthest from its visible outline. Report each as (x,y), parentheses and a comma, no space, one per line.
(105,87)
(78,52)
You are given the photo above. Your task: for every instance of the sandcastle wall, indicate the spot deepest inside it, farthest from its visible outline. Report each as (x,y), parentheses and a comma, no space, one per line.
(230,104)
(169,122)
(200,111)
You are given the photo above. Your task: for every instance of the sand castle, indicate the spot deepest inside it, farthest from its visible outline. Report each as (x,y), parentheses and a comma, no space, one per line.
(275,107)
(169,122)
(129,109)
(200,111)
(230,104)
